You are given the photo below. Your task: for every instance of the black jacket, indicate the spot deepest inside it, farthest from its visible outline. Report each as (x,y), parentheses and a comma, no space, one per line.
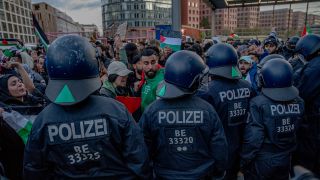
(231,99)
(185,138)
(271,129)
(309,91)
(95,139)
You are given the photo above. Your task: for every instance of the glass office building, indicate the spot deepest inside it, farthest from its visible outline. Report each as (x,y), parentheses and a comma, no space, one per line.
(141,15)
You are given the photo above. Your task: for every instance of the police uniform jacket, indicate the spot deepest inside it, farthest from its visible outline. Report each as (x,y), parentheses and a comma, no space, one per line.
(309,91)
(185,138)
(271,130)
(95,139)
(230,98)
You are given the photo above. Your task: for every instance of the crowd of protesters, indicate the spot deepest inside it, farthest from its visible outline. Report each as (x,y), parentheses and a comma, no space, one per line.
(130,69)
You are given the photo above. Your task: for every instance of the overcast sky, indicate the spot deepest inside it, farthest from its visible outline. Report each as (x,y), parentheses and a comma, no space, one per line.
(89,11)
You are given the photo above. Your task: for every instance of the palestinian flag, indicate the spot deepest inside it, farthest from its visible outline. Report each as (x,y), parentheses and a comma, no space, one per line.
(173,41)
(39,32)
(8,43)
(234,36)
(306,31)
(19,123)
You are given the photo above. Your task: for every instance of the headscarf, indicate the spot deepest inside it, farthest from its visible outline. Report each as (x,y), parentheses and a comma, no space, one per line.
(5,95)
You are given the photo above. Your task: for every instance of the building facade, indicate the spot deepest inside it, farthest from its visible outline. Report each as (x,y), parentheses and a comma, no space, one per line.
(286,21)
(16,20)
(89,29)
(298,20)
(66,24)
(46,16)
(225,21)
(248,17)
(141,16)
(55,22)
(277,19)
(190,18)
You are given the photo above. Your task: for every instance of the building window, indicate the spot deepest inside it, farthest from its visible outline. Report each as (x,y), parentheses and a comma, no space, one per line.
(10,27)
(12,8)
(2,15)
(17,10)
(37,7)
(8,17)
(4,26)
(14,18)
(6,4)
(135,6)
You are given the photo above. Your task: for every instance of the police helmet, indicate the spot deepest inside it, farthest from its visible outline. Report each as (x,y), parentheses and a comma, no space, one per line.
(182,76)
(308,46)
(277,80)
(269,57)
(291,43)
(222,60)
(261,63)
(73,70)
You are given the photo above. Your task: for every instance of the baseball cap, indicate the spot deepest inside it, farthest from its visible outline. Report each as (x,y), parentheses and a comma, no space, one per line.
(118,68)
(246,58)
(242,48)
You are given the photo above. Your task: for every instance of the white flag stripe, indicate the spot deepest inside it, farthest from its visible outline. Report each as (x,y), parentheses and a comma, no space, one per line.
(172,41)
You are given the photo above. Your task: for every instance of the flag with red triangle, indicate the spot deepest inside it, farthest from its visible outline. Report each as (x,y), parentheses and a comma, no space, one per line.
(306,31)
(171,39)
(4,42)
(234,36)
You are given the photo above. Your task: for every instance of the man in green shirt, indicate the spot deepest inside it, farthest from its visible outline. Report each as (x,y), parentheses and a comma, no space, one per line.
(153,75)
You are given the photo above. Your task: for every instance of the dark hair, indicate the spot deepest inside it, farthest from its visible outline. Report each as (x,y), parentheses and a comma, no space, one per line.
(148,52)
(112,78)
(136,58)
(155,48)
(130,47)
(142,43)
(207,46)
(197,48)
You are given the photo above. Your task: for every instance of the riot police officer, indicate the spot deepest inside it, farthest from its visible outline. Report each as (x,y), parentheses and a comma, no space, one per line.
(80,135)
(183,132)
(259,67)
(274,117)
(306,49)
(308,151)
(229,95)
(288,49)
